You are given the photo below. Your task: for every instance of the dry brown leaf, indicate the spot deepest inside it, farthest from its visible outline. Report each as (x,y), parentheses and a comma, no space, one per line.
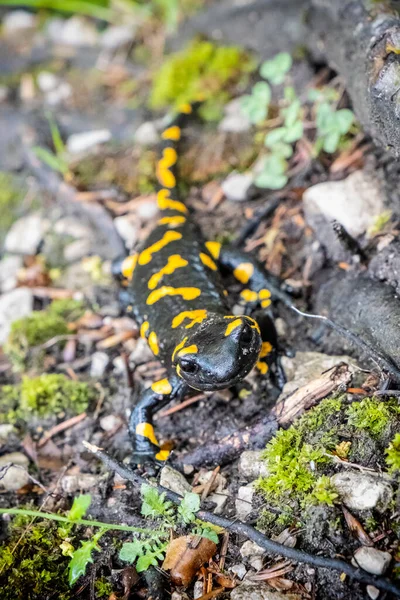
(356,528)
(185,555)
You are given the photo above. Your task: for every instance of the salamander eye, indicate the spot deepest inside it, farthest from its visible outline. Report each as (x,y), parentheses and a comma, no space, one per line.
(188,366)
(246,337)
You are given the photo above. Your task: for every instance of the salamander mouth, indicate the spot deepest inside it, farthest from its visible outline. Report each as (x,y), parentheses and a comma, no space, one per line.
(213,386)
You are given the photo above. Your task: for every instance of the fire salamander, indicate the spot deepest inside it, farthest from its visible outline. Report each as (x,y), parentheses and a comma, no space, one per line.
(175,293)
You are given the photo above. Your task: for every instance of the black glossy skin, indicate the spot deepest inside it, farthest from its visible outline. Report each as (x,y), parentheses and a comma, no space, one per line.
(214,353)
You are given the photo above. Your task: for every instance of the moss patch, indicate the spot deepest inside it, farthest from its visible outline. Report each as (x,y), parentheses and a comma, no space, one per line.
(372,415)
(200,71)
(31,561)
(43,396)
(67,308)
(393,455)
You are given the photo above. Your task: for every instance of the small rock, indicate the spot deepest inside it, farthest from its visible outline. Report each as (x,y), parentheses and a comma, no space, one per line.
(14,305)
(72,226)
(99,364)
(372,560)
(250,548)
(219,483)
(372,592)
(243,502)
(220,499)
(259,591)
(141,353)
(62,92)
(234,121)
(127,229)
(251,465)
(5,430)
(18,20)
(80,482)
(174,481)
(236,186)
(146,134)
(25,235)
(47,81)
(110,422)
(80,142)
(147,209)
(3,93)
(307,366)
(198,590)
(354,202)
(239,570)
(117,36)
(77,250)
(9,267)
(75,31)
(362,491)
(14,477)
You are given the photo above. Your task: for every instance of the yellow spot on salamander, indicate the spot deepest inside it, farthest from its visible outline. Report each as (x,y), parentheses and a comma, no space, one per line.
(164,202)
(249,296)
(232,326)
(128,266)
(262,366)
(174,262)
(144,328)
(208,261)
(266,348)
(162,455)
(185,108)
(147,431)
(172,222)
(243,272)
(193,349)
(153,343)
(265,296)
(254,324)
(214,249)
(178,371)
(179,347)
(172,133)
(162,387)
(195,316)
(168,237)
(165,177)
(187,293)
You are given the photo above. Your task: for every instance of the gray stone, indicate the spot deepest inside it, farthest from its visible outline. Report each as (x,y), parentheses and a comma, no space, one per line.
(62,92)
(220,499)
(16,476)
(81,142)
(80,482)
(18,20)
(239,570)
(259,591)
(117,36)
(243,502)
(75,31)
(99,363)
(174,481)
(307,366)
(110,422)
(14,305)
(363,491)
(47,81)
(251,465)
(249,549)
(237,185)
(197,590)
(372,592)
(234,121)
(127,229)
(9,267)
(25,235)
(77,250)
(146,134)
(147,209)
(5,430)
(355,202)
(141,353)
(372,560)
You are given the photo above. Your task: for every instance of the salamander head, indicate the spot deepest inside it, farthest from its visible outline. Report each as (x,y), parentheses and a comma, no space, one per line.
(219,354)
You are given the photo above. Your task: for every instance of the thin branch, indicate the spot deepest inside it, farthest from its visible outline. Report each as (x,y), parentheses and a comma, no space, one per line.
(241,528)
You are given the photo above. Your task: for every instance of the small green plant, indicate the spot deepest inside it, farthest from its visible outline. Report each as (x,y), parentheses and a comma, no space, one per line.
(393,454)
(67,308)
(55,160)
(372,415)
(331,125)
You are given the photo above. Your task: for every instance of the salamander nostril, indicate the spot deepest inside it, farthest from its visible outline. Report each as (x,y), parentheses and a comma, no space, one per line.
(246,336)
(188,366)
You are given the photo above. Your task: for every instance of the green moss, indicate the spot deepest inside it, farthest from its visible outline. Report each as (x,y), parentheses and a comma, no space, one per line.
(103,588)
(43,396)
(202,70)
(67,308)
(323,491)
(372,415)
(32,566)
(393,454)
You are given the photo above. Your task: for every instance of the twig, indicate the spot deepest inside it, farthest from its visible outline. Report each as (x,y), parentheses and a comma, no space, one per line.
(61,427)
(181,405)
(259,538)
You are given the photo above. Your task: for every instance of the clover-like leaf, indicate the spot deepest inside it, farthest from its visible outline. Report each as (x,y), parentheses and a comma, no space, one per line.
(294,132)
(189,506)
(273,175)
(275,136)
(331,142)
(344,120)
(262,91)
(283,150)
(275,70)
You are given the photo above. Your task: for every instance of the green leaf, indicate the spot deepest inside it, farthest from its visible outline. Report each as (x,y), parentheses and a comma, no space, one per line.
(289,93)
(325,120)
(80,507)
(51,160)
(344,120)
(189,506)
(55,135)
(262,91)
(82,557)
(271,181)
(292,112)
(283,150)
(275,69)
(294,132)
(154,504)
(131,550)
(209,533)
(274,136)
(331,142)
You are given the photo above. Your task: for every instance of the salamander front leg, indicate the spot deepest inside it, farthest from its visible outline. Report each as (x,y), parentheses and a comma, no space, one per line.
(145,445)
